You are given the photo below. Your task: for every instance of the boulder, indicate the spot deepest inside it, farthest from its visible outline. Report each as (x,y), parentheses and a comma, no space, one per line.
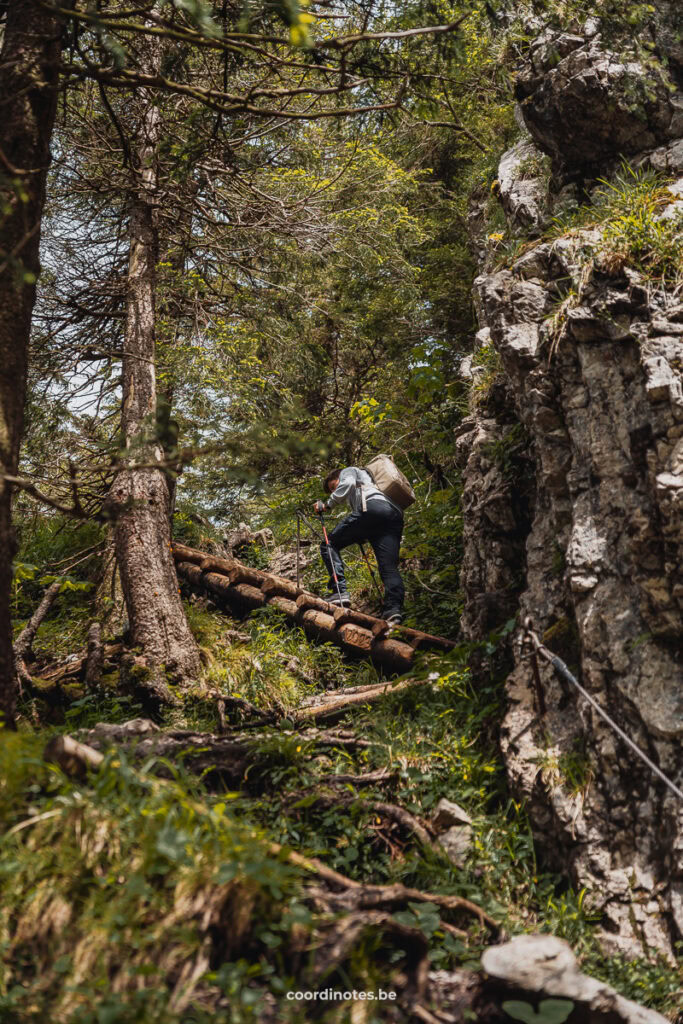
(586,105)
(545,966)
(447,814)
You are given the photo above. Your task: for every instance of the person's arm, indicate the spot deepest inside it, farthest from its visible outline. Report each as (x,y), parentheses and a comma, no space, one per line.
(346,483)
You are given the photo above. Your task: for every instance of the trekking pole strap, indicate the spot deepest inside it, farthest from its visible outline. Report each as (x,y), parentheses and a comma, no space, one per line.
(560,667)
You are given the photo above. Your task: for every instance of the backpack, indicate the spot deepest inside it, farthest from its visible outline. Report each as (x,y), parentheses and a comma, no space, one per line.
(389,479)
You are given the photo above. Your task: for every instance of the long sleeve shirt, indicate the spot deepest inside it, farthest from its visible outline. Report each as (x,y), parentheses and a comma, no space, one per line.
(347,490)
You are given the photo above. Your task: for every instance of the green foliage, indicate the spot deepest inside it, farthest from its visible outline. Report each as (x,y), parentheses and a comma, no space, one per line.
(118,881)
(550,1011)
(628,212)
(486,365)
(652,981)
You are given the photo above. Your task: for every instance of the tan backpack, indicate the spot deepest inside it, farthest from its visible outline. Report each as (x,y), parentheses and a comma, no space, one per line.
(389,479)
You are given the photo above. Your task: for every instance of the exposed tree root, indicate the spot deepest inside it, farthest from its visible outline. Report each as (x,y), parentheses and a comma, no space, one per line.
(396,814)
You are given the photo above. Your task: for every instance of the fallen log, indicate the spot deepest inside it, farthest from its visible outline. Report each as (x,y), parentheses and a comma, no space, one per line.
(220,759)
(379,777)
(334,702)
(74,666)
(74,758)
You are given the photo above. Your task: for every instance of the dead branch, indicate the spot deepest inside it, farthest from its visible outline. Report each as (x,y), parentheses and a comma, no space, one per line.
(23,643)
(73,758)
(367,779)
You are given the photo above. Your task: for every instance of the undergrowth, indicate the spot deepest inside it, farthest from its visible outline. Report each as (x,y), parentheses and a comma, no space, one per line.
(114,889)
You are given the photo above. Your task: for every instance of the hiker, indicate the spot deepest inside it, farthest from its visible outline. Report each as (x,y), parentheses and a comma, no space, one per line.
(375,518)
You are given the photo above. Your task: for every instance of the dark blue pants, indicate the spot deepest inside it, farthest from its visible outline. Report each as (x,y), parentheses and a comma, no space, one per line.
(382,526)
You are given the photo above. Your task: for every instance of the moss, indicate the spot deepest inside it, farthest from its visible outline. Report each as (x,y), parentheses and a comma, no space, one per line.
(44,686)
(138,673)
(559,561)
(73,691)
(563,639)
(110,681)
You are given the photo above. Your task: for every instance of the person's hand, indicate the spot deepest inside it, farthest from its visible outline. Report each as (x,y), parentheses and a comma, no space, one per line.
(319,506)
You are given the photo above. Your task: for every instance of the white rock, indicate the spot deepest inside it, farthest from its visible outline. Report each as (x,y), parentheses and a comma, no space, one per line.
(546,964)
(448,813)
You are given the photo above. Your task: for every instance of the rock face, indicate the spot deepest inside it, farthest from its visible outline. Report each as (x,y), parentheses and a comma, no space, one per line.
(606,104)
(587,536)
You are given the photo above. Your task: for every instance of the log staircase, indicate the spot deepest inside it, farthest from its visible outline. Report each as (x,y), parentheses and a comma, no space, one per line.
(243,589)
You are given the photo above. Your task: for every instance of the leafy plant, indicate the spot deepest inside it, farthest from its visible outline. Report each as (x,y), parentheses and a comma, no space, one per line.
(550,1011)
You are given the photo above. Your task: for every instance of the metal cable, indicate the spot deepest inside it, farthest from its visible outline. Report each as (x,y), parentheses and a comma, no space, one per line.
(560,666)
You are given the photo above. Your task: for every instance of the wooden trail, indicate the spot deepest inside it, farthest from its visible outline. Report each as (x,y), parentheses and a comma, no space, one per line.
(357,634)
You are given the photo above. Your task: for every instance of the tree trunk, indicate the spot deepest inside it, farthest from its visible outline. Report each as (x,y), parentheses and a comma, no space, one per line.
(140,497)
(28,87)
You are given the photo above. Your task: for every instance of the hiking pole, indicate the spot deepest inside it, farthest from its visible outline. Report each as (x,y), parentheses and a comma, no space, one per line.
(329,555)
(306,522)
(298,550)
(374,578)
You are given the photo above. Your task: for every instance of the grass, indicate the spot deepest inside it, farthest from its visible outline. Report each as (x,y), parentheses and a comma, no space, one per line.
(109,893)
(627,211)
(109,888)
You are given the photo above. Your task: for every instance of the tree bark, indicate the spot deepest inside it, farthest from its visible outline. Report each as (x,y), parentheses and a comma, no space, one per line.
(28,103)
(139,498)
(109,604)
(95,662)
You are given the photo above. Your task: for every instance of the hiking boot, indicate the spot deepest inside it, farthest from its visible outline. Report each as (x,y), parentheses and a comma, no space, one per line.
(394,619)
(334,597)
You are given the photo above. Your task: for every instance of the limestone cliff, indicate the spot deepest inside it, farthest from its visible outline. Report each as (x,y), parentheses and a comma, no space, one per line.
(573,471)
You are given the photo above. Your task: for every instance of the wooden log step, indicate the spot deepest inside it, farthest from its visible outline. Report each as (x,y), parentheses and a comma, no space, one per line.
(182,553)
(319,624)
(212,562)
(306,601)
(415,637)
(358,634)
(282,587)
(284,604)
